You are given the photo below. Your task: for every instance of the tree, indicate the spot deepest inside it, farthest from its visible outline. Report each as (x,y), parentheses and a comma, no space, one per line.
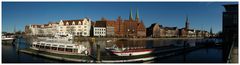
(71,30)
(41,31)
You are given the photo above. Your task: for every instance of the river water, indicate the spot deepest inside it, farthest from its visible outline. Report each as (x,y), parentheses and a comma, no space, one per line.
(203,55)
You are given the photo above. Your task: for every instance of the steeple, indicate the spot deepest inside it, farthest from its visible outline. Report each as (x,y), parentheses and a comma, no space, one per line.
(211,33)
(187,23)
(130,16)
(137,16)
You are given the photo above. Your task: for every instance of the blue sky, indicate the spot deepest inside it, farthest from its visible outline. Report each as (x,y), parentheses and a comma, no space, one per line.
(202,15)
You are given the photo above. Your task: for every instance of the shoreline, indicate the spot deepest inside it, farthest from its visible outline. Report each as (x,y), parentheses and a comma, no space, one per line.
(115,38)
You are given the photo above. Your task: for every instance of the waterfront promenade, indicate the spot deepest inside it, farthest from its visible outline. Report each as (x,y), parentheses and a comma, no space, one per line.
(116,38)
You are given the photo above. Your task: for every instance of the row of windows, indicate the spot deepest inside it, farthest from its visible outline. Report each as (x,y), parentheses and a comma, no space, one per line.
(75,30)
(78,24)
(100,29)
(74,27)
(76,33)
(99,32)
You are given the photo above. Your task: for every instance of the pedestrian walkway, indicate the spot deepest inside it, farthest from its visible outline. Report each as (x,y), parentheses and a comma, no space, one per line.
(234,55)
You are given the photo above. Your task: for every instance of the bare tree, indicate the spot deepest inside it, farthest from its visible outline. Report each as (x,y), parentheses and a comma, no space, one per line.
(71,30)
(41,31)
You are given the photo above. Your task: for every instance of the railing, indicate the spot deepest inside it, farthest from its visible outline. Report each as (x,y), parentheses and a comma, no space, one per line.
(54,40)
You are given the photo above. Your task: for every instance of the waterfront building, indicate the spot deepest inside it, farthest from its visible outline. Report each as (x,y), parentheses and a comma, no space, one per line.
(119,27)
(156,30)
(99,28)
(206,34)
(110,28)
(32,29)
(170,32)
(134,28)
(27,30)
(52,28)
(79,27)
(124,28)
(199,33)
(153,30)
(183,32)
(191,33)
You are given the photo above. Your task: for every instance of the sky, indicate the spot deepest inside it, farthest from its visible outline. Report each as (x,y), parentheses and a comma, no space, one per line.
(201,15)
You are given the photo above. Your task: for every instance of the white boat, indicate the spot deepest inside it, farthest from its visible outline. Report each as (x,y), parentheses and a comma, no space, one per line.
(61,45)
(109,40)
(6,38)
(129,52)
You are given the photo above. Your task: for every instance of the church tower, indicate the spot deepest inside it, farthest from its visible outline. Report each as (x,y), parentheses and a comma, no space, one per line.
(187,23)
(137,16)
(130,16)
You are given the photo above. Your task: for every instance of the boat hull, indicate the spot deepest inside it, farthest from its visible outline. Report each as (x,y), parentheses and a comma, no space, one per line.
(132,52)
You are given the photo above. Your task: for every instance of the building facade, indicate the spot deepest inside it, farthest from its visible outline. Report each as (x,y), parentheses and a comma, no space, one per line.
(74,27)
(153,30)
(63,28)
(134,28)
(230,29)
(156,30)
(99,29)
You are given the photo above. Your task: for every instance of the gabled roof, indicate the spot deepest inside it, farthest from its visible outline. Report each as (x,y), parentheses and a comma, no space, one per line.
(36,26)
(100,24)
(70,22)
(170,28)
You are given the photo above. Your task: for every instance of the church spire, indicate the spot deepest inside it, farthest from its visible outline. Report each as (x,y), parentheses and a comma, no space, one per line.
(187,23)
(137,16)
(130,16)
(211,33)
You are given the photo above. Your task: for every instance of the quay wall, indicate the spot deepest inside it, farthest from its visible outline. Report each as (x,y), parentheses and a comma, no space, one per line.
(115,39)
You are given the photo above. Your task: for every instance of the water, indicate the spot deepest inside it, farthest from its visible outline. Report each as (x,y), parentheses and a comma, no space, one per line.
(204,55)
(10,55)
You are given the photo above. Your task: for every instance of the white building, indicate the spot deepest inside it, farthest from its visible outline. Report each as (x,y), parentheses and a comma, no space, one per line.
(99,31)
(74,27)
(34,29)
(79,27)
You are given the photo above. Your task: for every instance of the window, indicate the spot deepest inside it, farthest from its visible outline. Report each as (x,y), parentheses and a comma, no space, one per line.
(61,46)
(69,46)
(55,45)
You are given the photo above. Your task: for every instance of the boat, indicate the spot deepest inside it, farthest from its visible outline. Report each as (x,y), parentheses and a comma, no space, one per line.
(59,45)
(128,52)
(8,38)
(109,40)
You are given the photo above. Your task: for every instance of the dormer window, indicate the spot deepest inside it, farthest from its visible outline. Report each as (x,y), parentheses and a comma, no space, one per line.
(73,23)
(79,22)
(67,23)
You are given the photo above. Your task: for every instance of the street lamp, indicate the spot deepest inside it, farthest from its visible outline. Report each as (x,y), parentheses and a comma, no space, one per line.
(128,32)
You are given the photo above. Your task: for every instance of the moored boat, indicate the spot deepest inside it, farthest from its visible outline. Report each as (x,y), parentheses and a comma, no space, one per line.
(8,38)
(129,52)
(59,45)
